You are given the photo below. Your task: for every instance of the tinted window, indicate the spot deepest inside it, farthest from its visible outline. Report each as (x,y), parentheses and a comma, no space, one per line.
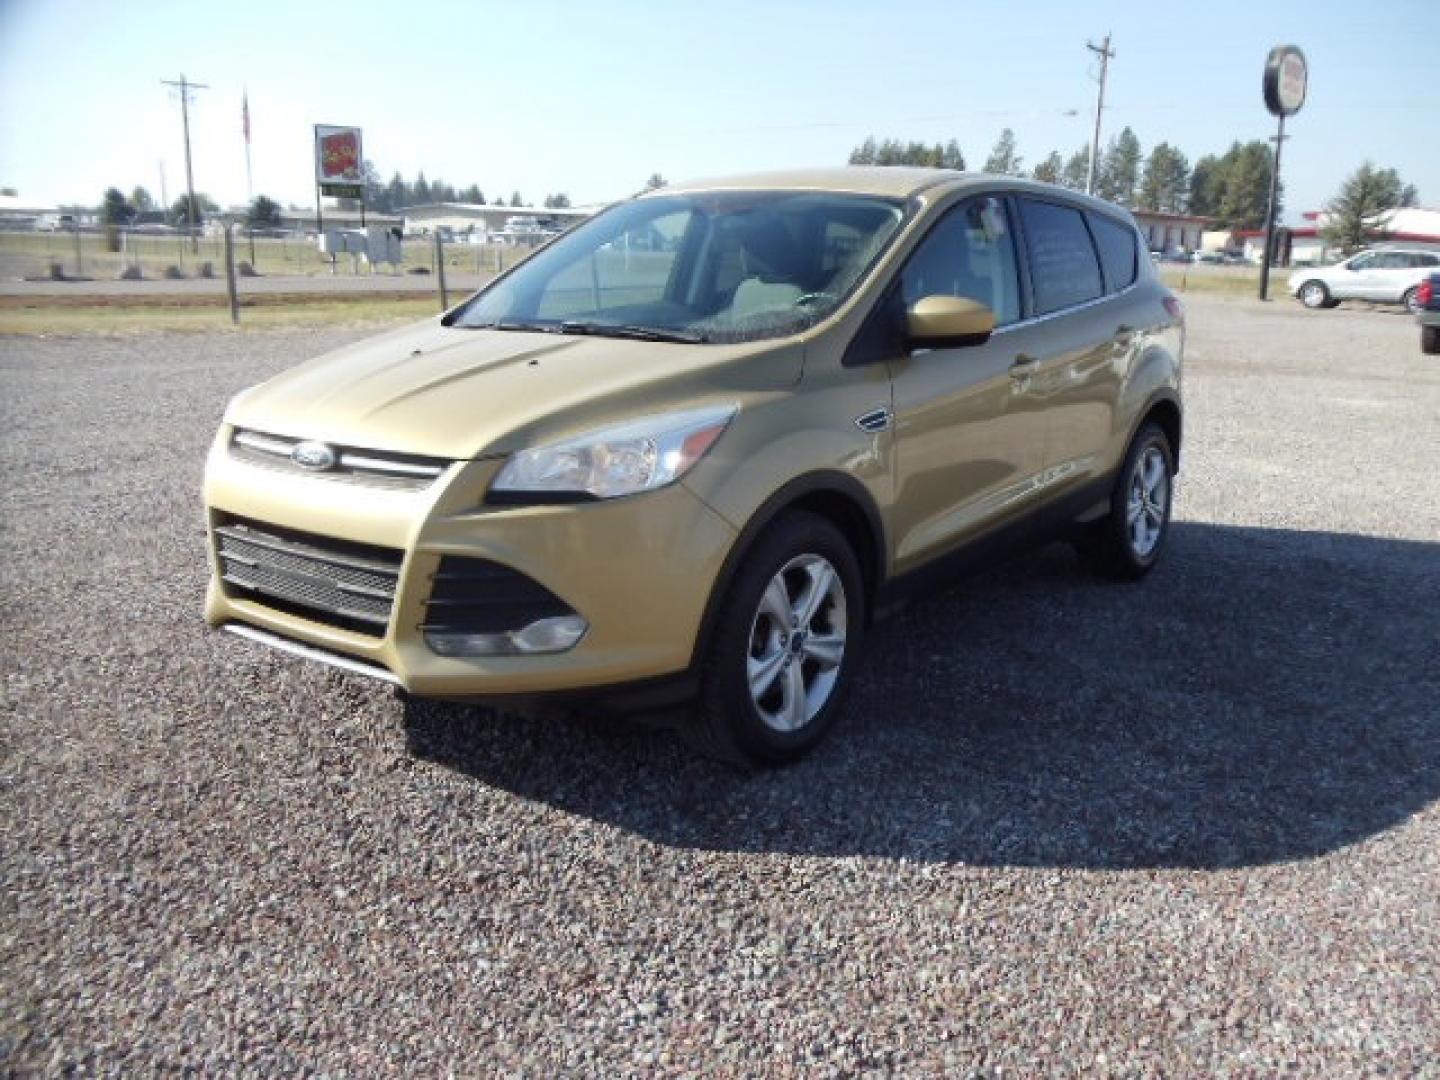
(1063,267)
(1117,251)
(970,253)
(1430,260)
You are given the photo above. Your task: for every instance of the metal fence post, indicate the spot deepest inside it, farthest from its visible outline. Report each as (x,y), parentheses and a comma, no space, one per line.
(440,271)
(230,275)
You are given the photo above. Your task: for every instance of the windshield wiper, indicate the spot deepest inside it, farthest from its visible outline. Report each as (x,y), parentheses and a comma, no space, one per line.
(511,324)
(633,333)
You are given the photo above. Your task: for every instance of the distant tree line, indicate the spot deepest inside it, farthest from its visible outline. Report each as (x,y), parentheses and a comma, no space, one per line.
(1232,188)
(399,193)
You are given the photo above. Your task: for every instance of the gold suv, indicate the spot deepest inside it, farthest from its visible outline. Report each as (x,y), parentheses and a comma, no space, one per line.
(692,447)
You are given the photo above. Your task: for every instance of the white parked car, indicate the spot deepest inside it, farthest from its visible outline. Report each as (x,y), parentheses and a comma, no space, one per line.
(1383,275)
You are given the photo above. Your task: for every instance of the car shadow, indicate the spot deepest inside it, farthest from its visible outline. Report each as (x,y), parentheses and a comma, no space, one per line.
(1266,695)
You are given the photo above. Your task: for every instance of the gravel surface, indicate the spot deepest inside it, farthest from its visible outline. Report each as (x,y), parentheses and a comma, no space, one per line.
(1182,828)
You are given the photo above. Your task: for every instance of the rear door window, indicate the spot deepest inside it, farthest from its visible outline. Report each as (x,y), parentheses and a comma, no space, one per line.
(1064,270)
(1118,251)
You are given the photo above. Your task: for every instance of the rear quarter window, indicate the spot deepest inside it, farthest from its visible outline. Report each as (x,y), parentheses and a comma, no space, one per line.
(1064,270)
(1119,253)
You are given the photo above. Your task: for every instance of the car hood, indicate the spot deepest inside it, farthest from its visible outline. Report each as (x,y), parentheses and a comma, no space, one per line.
(456,393)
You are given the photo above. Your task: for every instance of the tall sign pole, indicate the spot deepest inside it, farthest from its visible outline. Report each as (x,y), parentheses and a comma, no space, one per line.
(1106,54)
(1287,78)
(185,89)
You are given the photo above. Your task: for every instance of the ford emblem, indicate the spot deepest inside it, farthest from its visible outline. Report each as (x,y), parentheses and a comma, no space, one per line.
(316,456)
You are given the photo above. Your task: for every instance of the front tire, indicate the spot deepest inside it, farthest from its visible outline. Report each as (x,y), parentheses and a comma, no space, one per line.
(1126,543)
(782,655)
(1411,300)
(1314,295)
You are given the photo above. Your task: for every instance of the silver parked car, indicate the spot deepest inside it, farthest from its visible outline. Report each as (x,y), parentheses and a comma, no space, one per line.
(1380,275)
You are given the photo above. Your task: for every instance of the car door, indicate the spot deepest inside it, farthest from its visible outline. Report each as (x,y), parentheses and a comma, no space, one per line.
(1081,333)
(1358,279)
(969,441)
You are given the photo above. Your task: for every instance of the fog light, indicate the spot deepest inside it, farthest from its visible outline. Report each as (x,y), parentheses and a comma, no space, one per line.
(551,635)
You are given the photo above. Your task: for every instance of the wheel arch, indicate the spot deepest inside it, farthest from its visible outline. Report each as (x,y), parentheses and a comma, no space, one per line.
(1164,410)
(835,496)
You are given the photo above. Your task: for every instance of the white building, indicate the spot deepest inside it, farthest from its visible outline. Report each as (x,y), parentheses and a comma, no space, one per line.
(1170,233)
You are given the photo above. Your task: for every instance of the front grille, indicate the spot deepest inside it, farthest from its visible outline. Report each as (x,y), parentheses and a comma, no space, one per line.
(478,596)
(408,472)
(337,582)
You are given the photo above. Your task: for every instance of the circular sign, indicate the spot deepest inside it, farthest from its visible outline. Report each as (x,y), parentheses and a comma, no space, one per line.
(1286,78)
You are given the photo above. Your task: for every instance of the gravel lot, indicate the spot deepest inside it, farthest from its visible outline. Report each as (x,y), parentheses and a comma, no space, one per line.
(1186,827)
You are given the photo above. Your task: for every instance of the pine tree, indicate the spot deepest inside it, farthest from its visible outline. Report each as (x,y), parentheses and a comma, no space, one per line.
(1366,194)
(864,154)
(1206,184)
(1077,170)
(1051,169)
(1166,180)
(1003,159)
(1119,175)
(1246,192)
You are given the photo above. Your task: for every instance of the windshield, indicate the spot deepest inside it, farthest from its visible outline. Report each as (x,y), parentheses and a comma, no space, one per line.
(710,266)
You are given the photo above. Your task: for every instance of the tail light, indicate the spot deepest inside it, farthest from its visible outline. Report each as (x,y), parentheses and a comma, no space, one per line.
(1426,293)
(1175,308)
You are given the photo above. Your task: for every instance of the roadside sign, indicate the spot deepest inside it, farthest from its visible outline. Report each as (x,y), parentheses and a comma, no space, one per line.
(1287,77)
(339,158)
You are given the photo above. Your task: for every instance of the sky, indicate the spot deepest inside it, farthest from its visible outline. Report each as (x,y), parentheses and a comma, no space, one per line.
(590,99)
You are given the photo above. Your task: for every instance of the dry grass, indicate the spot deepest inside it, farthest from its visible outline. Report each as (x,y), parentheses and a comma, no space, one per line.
(1222,280)
(74,316)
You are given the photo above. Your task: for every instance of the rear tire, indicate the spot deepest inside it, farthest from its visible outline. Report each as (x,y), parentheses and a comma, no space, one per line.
(782,655)
(1126,543)
(1314,295)
(1430,340)
(1411,300)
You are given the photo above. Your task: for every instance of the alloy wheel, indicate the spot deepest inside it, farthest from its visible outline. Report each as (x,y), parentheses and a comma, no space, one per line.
(1148,503)
(797,643)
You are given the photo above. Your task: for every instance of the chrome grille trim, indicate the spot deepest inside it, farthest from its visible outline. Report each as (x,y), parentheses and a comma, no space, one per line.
(410,471)
(310,652)
(323,579)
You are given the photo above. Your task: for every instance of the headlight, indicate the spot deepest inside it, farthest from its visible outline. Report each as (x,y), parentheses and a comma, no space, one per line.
(641,455)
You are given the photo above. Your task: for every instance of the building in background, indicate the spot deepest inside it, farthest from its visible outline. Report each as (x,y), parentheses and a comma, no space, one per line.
(1305,245)
(480,222)
(1170,233)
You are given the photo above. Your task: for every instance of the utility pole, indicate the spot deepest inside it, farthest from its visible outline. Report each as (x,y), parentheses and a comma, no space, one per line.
(1106,54)
(1270,253)
(185,89)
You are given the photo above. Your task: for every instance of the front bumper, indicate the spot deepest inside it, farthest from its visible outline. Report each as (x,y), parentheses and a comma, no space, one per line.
(639,570)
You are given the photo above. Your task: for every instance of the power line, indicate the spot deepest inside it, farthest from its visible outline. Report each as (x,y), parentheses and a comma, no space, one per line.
(185,88)
(1106,54)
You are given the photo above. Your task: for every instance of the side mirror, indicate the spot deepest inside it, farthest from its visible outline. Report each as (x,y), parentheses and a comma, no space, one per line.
(939,322)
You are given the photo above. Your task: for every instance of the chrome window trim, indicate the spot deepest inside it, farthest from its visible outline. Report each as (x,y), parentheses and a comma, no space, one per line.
(1033,319)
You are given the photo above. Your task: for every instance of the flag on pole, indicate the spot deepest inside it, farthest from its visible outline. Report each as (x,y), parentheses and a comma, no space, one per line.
(245,114)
